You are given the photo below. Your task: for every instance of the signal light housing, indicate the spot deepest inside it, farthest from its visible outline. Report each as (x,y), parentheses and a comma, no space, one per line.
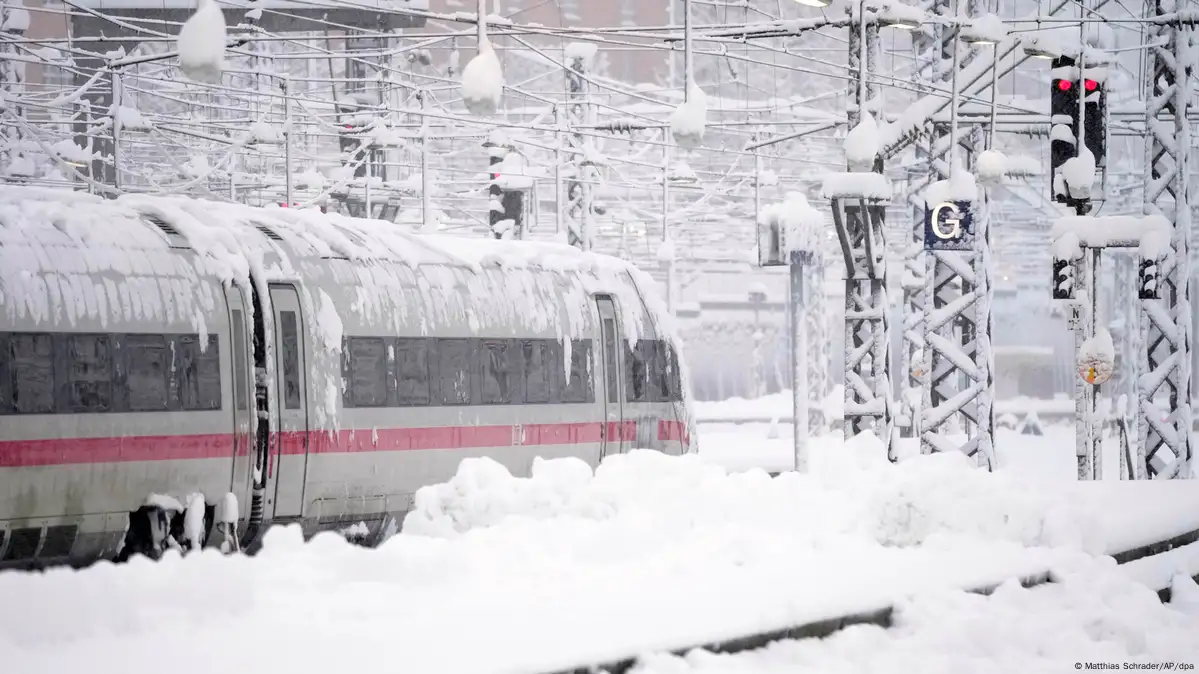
(1065,99)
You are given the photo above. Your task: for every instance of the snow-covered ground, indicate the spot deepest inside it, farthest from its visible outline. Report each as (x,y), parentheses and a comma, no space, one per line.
(1094,615)
(1049,457)
(648,553)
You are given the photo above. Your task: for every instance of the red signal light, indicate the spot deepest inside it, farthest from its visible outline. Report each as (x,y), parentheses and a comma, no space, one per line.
(1091,85)
(1064,85)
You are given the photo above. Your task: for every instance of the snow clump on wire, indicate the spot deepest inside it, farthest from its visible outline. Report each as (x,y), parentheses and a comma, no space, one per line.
(202,44)
(862,144)
(1079,173)
(689,120)
(483,81)
(992,166)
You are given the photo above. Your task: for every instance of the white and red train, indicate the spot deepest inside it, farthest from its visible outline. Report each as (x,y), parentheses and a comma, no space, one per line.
(319,368)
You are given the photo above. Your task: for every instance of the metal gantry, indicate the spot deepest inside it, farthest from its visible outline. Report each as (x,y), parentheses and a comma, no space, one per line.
(1165,445)
(957,380)
(14,19)
(580,210)
(858,216)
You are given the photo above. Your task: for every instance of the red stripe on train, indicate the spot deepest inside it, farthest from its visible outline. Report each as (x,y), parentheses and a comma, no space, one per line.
(673,431)
(28,453)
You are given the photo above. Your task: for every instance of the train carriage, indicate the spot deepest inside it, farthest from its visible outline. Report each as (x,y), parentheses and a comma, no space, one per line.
(319,369)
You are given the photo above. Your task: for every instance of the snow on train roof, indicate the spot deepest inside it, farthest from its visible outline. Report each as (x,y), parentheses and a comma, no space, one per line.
(231,240)
(68,256)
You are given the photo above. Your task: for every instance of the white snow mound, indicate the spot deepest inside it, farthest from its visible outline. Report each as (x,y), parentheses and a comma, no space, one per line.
(934,500)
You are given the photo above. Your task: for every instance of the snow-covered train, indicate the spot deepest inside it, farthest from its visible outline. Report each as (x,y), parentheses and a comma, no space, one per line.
(255,366)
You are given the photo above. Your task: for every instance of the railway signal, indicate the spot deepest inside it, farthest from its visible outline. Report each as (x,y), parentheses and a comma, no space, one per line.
(1063,280)
(350,140)
(1070,88)
(505,206)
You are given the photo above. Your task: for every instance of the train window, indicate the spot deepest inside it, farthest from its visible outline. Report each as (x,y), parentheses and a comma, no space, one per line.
(291,360)
(5,377)
(148,374)
(412,371)
(613,376)
(537,364)
(637,368)
(368,371)
(89,373)
(198,372)
(497,370)
(31,373)
(453,371)
(579,388)
(241,397)
(672,387)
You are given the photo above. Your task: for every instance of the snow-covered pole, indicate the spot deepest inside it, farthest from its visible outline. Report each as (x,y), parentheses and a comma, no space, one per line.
(117,101)
(757,177)
(672,66)
(560,124)
(953,106)
(285,84)
(688,55)
(366,196)
(482,23)
(994,92)
(426,199)
(1082,323)
(799,262)
(1080,140)
(671,300)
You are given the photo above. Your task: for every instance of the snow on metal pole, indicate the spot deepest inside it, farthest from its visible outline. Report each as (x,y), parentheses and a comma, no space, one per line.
(288,180)
(426,198)
(953,107)
(688,73)
(559,209)
(1079,323)
(117,101)
(671,300)
(481,24)
(799,354)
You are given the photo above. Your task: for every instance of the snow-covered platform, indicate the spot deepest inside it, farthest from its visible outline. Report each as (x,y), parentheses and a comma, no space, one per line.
(572,567)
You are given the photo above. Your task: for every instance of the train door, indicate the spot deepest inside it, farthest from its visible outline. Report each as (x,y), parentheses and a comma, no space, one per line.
(613,409)
(291,390)
(242,380)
